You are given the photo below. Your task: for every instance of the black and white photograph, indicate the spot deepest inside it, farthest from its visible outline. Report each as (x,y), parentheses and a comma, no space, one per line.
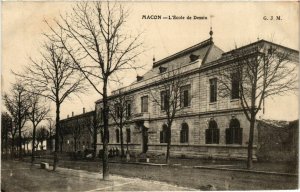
(149,96)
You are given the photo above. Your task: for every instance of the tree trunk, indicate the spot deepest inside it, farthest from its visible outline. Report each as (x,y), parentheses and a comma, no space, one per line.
(250,143)
(168,144)
(75,145)
(122,142)
(105,126)
(12,147)
(2,143)
(20,142)
(33,143)
(95,137)
(57,129)
(6,144)
(61,143)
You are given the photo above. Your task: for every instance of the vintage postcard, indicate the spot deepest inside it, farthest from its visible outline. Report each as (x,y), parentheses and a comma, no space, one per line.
(149,95)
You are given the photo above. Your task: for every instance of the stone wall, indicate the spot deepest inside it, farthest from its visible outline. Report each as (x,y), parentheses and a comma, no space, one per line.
(277,140)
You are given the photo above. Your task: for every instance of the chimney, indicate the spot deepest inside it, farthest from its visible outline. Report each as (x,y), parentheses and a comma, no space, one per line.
(139,78)
(68,116)
(72,114)
(83,110)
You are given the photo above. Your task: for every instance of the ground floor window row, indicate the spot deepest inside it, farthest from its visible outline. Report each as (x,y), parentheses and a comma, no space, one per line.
(233,134)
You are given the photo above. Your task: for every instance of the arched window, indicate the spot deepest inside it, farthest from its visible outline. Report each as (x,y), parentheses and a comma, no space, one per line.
(128,135)
(117,135)
(212,134)
(184,133)
(234,134)
(163,134)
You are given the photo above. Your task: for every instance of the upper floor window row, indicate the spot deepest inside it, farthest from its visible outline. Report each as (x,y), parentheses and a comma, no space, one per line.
(235,85)
(144,104)
(213,90)
(185,96)
(234,91)
(164,100)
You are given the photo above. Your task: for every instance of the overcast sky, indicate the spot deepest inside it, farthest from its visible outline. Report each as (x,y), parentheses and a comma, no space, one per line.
(233,24)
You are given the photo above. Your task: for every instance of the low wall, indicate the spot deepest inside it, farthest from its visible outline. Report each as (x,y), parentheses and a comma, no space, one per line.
(237,152)
(277,140)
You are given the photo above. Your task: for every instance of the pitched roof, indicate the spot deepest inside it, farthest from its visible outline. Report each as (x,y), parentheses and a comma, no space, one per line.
(206,51)
(228,56)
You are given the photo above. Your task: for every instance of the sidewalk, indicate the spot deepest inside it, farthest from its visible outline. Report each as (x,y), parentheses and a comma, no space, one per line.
(118,183)
(20,176)
(85,176)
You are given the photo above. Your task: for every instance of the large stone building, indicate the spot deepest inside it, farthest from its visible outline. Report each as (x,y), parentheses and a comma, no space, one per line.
(206,125)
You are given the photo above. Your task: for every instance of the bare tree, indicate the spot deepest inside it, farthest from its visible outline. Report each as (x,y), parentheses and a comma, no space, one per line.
(42,134)
(120,111)
(94,128)
(51,128)
(36,114)
(170,97)
(27,137)
(54,78)
(17,105)
(94,37)
(257,72)
(77,132)
(6,129)
(63,131)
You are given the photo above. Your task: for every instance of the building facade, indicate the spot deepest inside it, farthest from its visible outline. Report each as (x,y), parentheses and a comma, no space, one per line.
(77,132)
(206,125)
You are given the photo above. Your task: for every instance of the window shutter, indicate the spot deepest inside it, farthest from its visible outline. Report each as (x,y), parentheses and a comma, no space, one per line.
(181,136)
(216,133)
(228,136)
(181,99)
(187,135)
(207,136)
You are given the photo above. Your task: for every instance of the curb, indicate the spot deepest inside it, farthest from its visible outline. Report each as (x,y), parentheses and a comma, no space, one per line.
(247,171)
(139,163)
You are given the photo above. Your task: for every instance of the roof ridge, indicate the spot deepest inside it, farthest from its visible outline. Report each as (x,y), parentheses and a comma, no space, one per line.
(177,54)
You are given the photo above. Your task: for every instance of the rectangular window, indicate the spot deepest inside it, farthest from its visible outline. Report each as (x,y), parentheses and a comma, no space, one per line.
(128,136)
(185,96)
(164,102)
(235,84)
(117,110)
(128,108)
(213,89)
(144,102)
